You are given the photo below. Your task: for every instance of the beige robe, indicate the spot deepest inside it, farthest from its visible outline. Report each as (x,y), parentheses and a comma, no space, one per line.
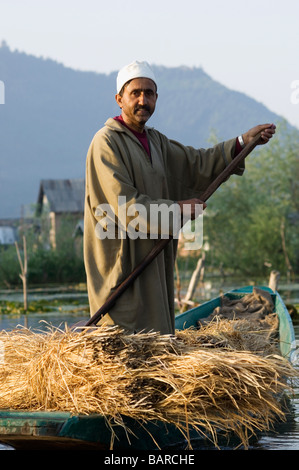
(118,166)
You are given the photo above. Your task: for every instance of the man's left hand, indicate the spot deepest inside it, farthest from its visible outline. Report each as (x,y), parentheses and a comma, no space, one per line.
(266,130)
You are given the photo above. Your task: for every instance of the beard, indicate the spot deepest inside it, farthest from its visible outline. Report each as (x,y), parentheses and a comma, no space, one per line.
(144,117)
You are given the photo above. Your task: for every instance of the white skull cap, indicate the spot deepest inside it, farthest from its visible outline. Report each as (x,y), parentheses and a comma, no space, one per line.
(136,69)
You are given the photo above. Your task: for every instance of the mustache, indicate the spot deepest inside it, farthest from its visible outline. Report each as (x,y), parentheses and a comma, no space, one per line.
(144,106)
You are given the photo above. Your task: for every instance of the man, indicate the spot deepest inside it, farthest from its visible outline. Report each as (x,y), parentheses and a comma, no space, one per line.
(129,166)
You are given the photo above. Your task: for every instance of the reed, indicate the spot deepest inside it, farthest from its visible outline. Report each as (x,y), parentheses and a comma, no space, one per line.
(195,378)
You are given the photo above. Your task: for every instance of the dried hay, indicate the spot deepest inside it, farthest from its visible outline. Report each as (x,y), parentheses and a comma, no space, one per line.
(248,323)
(237,335)
(144,376)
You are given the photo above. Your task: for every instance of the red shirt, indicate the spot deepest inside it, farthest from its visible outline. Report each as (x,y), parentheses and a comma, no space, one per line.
(238,147)
(141,136)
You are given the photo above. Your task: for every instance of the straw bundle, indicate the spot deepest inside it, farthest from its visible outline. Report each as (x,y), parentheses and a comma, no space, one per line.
(144,376)
(243,335)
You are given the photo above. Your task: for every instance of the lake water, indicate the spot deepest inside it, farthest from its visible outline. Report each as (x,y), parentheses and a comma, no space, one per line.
(286,435)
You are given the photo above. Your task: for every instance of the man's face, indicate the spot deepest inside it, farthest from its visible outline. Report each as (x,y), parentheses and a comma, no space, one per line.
(138,102)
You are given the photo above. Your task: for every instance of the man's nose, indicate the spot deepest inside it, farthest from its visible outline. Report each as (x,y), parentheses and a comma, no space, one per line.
(142,98)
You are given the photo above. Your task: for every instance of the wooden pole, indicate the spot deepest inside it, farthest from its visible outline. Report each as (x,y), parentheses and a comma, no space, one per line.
(194,280)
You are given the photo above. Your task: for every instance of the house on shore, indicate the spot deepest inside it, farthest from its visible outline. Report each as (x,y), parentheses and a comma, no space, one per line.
(59,200)
(8,235)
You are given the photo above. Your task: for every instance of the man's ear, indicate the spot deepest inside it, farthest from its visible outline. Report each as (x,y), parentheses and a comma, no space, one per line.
(118,99)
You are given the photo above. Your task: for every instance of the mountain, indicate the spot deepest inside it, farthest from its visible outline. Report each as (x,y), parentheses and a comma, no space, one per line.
(51,113)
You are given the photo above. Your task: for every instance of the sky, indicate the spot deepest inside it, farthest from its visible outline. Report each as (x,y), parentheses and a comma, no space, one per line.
(248,46)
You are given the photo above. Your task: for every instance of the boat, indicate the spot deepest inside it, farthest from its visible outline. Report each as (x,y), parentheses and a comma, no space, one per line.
(62,430)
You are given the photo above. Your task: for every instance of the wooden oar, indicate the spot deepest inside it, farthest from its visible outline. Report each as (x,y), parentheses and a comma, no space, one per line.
(161,244)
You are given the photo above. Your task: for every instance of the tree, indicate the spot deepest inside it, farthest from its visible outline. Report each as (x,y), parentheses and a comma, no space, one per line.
(24,270)
(249,220)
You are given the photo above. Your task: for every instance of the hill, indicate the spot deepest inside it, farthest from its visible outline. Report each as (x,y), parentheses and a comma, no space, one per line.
(51,113)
